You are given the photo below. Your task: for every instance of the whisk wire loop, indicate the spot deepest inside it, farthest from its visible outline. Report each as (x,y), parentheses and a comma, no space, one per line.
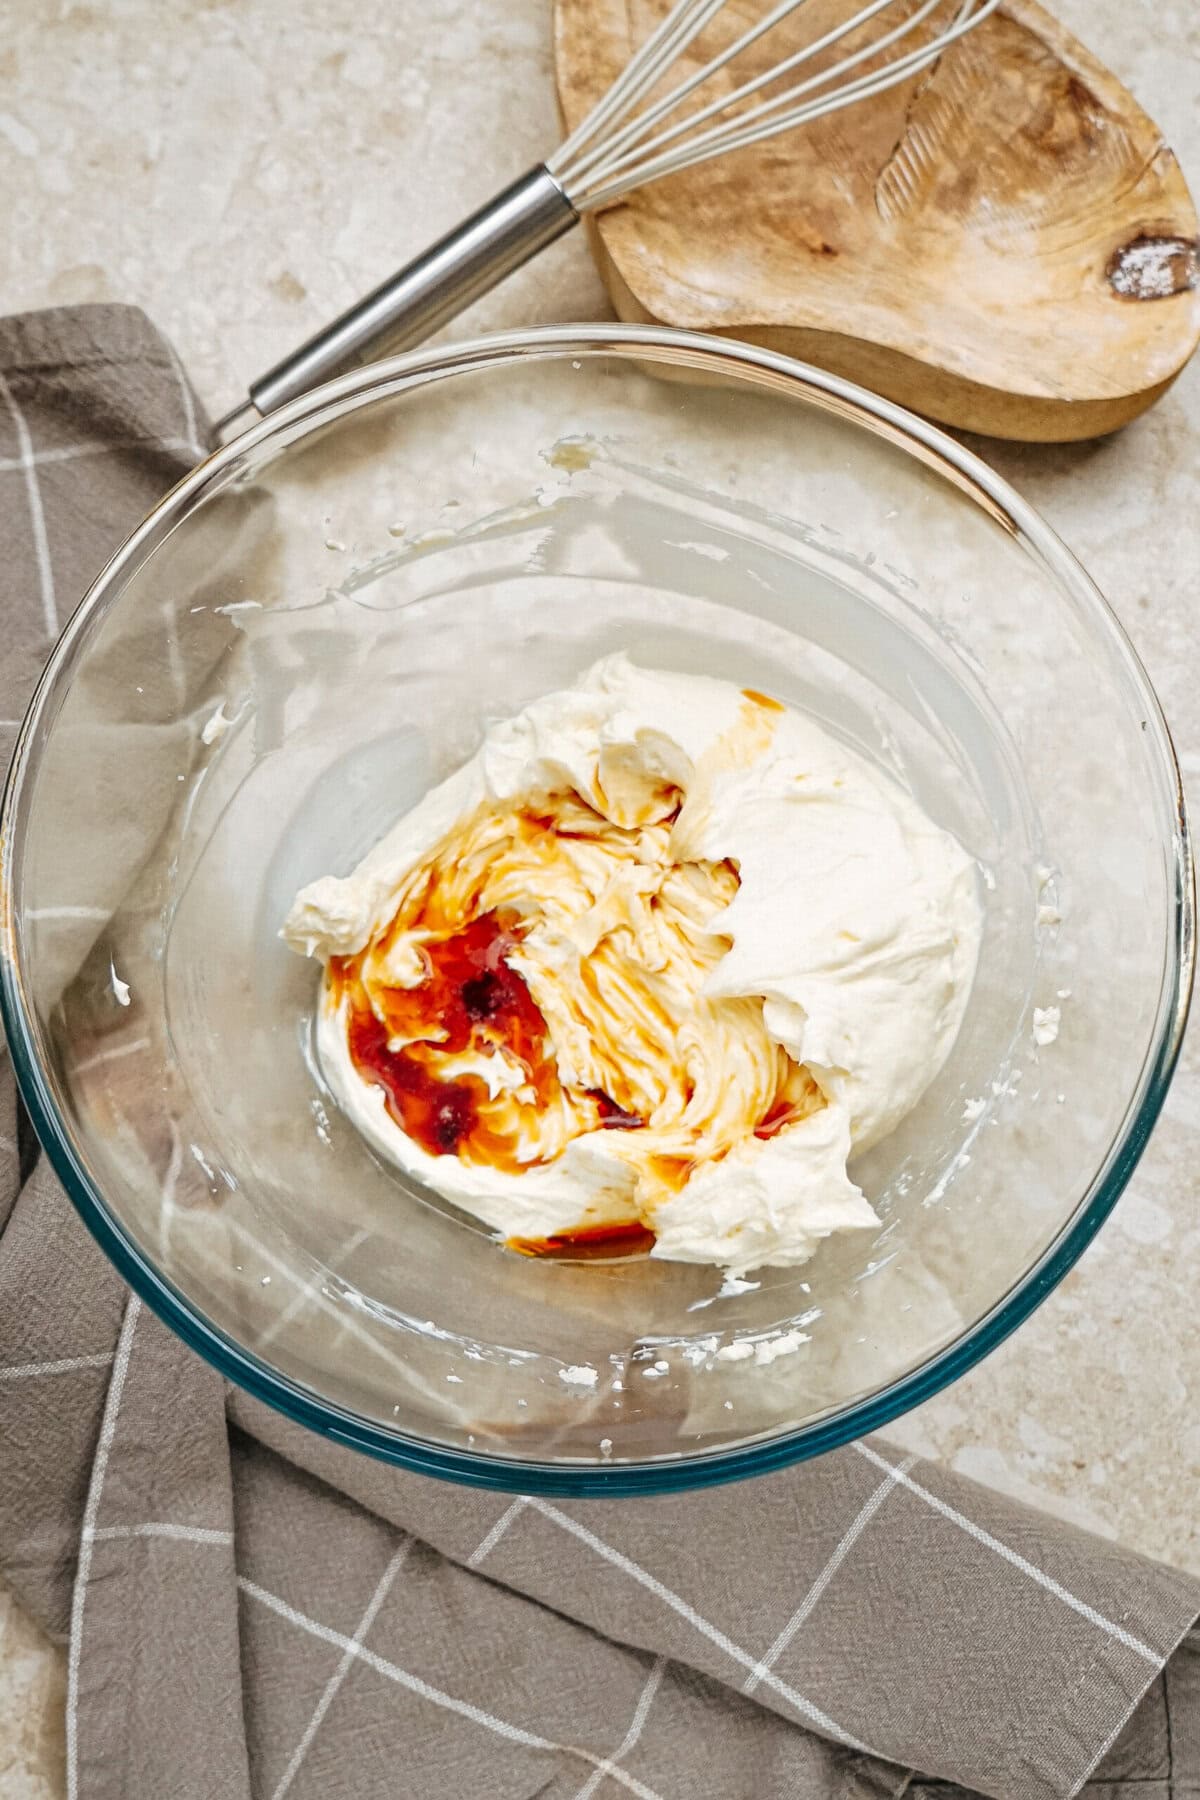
(613,152)
(668,103)
(612,164)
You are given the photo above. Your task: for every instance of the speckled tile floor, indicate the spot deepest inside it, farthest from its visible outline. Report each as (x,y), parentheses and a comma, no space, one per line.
(32,1690)
(177,158)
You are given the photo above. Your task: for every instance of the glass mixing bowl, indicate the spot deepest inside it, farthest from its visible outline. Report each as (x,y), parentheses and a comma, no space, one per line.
(316,625)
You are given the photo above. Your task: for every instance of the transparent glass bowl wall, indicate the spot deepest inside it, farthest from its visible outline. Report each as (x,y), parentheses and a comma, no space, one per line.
(319,624)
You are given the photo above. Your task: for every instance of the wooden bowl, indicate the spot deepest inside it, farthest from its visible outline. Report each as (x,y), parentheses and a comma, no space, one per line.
(1003,243)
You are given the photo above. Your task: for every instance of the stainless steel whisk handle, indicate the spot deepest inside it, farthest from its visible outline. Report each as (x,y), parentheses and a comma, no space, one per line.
(428,291)
(620,146)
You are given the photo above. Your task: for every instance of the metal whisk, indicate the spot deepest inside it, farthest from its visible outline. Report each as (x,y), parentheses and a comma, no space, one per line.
(625,141)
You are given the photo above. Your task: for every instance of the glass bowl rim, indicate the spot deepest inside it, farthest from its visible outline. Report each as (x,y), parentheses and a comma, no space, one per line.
(675,1473)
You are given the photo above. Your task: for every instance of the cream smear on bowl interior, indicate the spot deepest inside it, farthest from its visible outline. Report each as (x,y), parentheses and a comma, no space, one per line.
(649,968)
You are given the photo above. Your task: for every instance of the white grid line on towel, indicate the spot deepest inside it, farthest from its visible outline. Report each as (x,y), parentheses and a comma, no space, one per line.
(715,1635)
(114,1055)
(1018,1561)
(39,459)
(310,1289)
(636,1727)
(335,1681)
(464,1708)
(488,1544)
(37,515)
(102,913)
(108,1431)
(159,1528)
(63,1365)
(192,437)
(849,1538)
(340,1315)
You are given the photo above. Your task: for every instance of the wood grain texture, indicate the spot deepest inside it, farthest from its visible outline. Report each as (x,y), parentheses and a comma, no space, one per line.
(1003,243)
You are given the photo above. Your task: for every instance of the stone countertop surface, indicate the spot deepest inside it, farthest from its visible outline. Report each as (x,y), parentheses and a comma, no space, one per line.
(243,169)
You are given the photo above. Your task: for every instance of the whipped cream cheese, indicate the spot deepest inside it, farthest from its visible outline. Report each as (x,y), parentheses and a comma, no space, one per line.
(660,957)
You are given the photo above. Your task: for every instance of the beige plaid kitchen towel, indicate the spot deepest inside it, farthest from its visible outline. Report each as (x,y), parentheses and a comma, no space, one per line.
(249,1610)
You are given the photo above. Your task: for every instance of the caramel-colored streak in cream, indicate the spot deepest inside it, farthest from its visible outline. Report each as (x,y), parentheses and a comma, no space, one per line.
(613,937)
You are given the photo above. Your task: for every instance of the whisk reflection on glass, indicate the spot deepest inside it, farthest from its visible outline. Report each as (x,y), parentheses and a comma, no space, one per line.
(627,140)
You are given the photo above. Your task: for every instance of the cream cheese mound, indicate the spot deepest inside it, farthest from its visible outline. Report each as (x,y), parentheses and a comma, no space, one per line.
(750,950)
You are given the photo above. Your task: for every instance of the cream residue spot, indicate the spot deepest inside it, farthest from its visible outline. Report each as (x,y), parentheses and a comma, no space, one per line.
(215,726)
